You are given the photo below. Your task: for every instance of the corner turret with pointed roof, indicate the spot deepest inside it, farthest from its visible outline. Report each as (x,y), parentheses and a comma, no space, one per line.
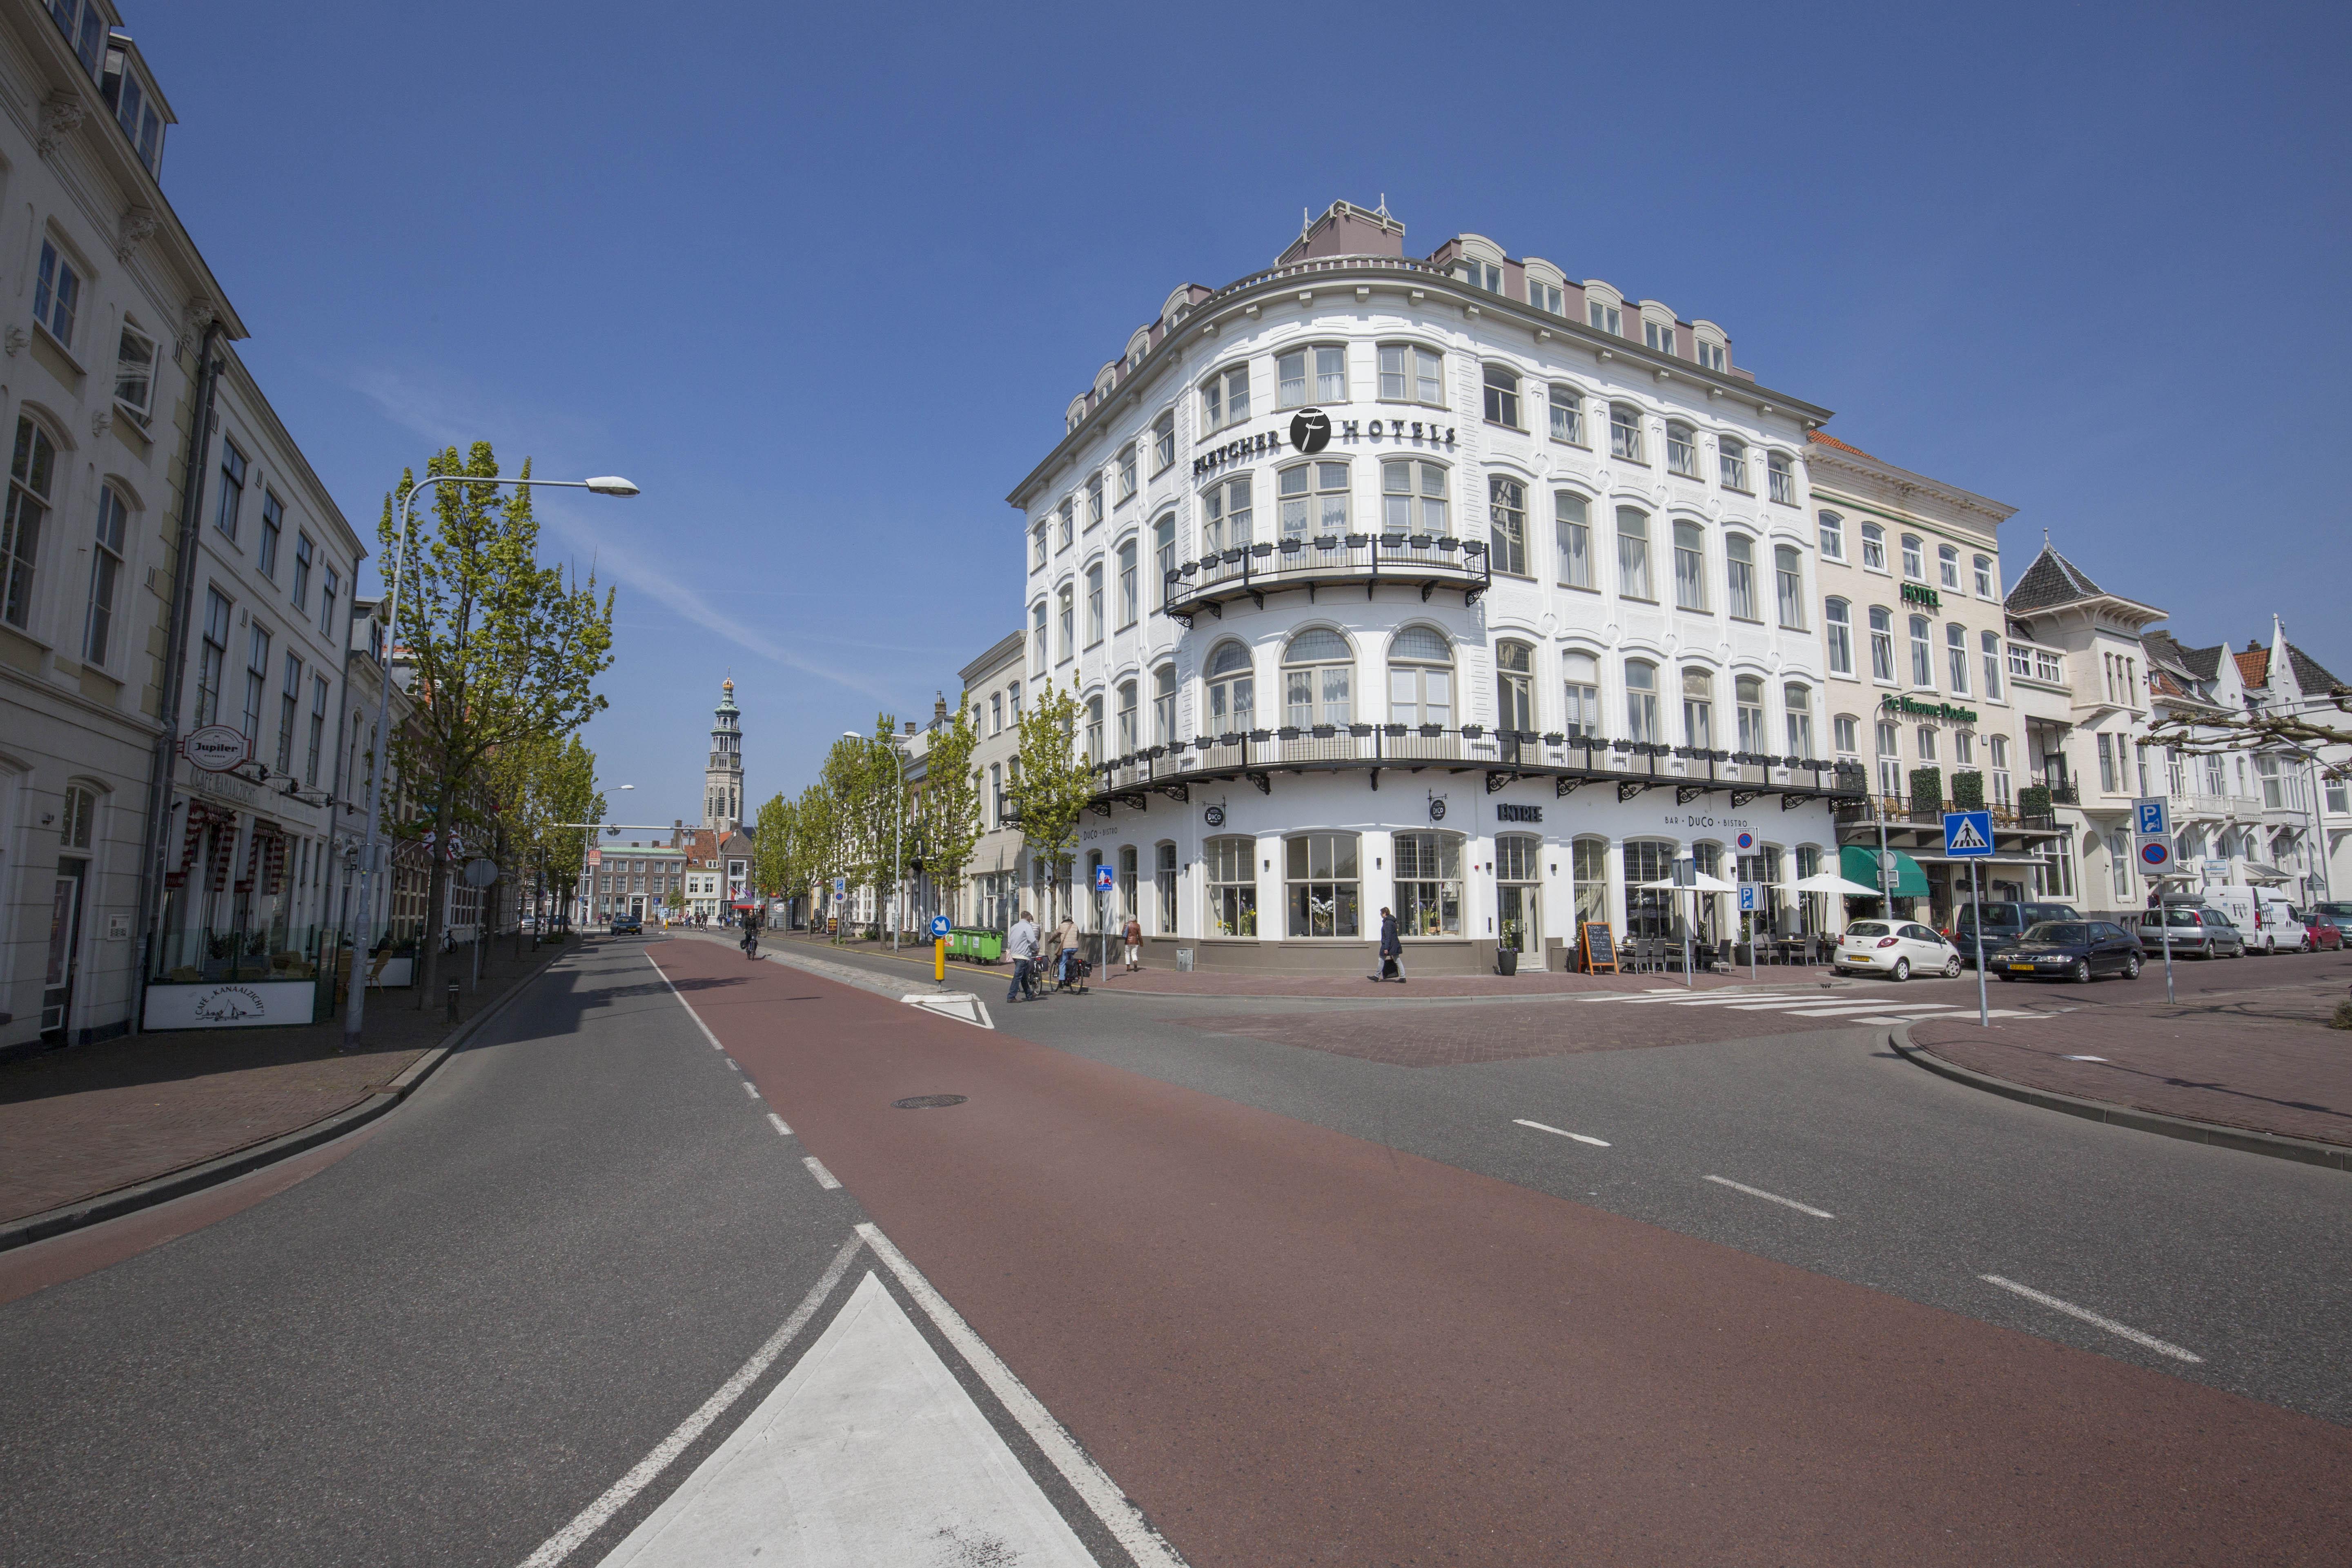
(2055,583)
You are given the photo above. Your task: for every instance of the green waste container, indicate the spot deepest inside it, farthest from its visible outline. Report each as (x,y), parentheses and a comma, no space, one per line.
(972,943)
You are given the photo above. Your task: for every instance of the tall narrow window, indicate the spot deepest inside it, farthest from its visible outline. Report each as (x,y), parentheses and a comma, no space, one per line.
(1788,586)
(1126,472)
(318,730)
(1316,670)
(1844,732)
(1163,553)
(232,489)
(1923,654)
(1947,567)
(1690,567)
(105,571)
(211,657)
(1502,397)
(1163,441)
(1124,738)
(1988,583)
(1163,883)
(1037,548)
(1781,475)
(1163,705)
(1572,529)
(1225,516)
(1956,655)
(1094,499)
(57,294)
(257,681)
(1640,700)
(1094,603)
(302,557)
(1682,451)
(1796,704)
(1515,688)
(1839,615)
(1224,398)
(1890,760)
(1832,537)
(134,374)
(1413,498)
(289,707)
(1583,688)
(1127,584)
(1914,559)
(1625,432)
(1567,415)
(1232,705)
(1698,708)
(1421,679)
(327,597)
(1095,729)
(1506,524)
(273,527)
(1409,374)
(1731,463)
(1874,547)
(31,472)
(1740,575)
(1632,553)
(1747,698)
(1991,642)
(1069,612)
(1882,645)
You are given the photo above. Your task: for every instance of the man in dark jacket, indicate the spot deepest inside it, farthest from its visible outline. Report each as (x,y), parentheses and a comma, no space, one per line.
(1392,950)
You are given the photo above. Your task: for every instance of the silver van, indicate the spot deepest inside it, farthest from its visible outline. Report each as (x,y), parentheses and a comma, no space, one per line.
(2196,932)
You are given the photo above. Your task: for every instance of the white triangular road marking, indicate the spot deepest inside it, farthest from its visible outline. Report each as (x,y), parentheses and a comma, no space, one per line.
(962,1005)
(869,1451)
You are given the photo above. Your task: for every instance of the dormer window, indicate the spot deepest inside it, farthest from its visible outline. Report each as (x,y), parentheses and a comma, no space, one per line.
(1480,274)
(1545,296)
(84,27)
(1603,308)
(133,99)
(1711,356)
(1659,336)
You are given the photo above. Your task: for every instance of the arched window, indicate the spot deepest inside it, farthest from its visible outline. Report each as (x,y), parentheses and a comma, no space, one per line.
(1124,737)
(1582,685)
(1740,574)
(1163,705)
(1129,607)
(1649,911)
(1690,567)
(1515,686)
(1991,644)
(1069,604)
(1956,655)
(1832,537)
(1780,478)
(1682,449)
(1225,516)
(1224,398)
(1572,531)
(1421,679)
(1094,603)
(1748,697)
(1229,869)
(1882,644)
(1314,498)
(1320,884)
(1947,566)
(1567,415)
(1506,523)
(1789,587)
(1163,553)
(1840,616)
(1915,560)
(1799,703)
(1988,585)
(1632,553)
(1232,707)
(1325,363)
(1163,883)
(1923,654)
(1625,432)
(1428,884)
(1588,866)
(1502,397)
(105,569)
(1731,461)
(1698,708)
(32,477)
(1413,498)
(1316,667)
(1640,700)
(1095,728)
(1874,547)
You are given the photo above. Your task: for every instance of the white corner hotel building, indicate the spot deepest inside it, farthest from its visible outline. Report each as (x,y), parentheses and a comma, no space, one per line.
(1451,585)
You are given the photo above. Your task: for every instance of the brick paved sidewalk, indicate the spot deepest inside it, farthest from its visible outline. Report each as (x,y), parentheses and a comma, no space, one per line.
(78,1122)
(2261,1059)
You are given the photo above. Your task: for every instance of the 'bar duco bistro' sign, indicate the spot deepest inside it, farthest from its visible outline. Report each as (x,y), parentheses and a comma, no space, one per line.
(1312,430)
(1928,710)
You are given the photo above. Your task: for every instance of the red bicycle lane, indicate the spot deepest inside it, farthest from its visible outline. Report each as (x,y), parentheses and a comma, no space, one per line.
(1290,1345)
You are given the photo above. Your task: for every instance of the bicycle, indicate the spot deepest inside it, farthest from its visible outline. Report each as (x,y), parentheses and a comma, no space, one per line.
(750,943)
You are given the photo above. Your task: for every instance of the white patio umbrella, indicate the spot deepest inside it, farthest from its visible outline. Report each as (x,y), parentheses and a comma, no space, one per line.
(1706,884)
(1831,882)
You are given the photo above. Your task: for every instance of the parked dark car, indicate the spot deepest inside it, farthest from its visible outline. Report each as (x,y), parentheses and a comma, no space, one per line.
(627,925)
(2197,933)
(2071,950)
(2005,920)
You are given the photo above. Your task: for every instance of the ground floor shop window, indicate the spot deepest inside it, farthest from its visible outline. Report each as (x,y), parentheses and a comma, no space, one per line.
(1163,878)
(1429,884)
(1127,904)
(1812,908)
(1649,911)
(1320,882)
(1231,867)
(1518,893)
(1589,866)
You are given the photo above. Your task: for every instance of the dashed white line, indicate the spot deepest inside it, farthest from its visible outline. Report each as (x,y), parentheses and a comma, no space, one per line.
(1771,1197)
(824,1178)
(1564,1132)
(2086,1315)
(781,1128)
(751,1089)
(732,1065)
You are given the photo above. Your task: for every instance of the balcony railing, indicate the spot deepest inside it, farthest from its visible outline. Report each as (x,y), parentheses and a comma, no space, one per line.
(1634,765)
(1906,812)
(2218,806)
(1427,560)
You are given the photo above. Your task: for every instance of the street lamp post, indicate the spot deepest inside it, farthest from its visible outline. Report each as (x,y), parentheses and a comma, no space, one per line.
(604,484)
(897,834)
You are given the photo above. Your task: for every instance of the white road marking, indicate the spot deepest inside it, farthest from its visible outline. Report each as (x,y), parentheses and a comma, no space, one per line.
(687,1005)
(1771,1197)
(1742,999)
(1815,1008)
(779,1121)
(2086,1059)
(2072,1310)
(732,1065)
(1099,1492)
(564,1541)
(962,1005)
(751,1089)
(1523,1122)
(869,1451)
(824,1178)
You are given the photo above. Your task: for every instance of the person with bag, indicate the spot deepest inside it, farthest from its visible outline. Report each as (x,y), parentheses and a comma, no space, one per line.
(1066,939)
(1021,946)
(1132,935)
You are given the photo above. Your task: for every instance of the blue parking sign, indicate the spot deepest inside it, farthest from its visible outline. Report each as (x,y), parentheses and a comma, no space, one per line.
(1968,835)
(1747,898)
(2150,819)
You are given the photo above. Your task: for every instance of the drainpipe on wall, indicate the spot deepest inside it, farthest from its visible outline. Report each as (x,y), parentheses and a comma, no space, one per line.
(175,668)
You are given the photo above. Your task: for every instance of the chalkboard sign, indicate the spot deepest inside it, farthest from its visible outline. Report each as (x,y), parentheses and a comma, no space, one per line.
(1598,946)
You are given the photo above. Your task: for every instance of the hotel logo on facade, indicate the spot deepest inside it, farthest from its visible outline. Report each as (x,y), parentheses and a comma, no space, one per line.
(1312,430)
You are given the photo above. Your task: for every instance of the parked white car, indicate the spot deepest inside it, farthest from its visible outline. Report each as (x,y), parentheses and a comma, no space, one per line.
(1896,949)
(2263,917)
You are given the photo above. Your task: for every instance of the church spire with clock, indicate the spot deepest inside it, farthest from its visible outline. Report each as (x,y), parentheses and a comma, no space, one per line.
(722,781)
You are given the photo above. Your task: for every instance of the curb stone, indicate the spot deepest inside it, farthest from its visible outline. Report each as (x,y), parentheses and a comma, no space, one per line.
(103,1207)
(2276,1146)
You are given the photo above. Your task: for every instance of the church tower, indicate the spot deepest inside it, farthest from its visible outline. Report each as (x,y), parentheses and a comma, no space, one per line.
(722,781)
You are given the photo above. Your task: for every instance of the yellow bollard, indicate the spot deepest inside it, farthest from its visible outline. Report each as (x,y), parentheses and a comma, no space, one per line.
(938,958)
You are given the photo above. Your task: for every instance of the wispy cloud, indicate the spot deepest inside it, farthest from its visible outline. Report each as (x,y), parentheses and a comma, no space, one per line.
(453,414)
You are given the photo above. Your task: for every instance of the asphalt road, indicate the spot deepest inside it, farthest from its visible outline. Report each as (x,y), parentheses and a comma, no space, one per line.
(1301,1301)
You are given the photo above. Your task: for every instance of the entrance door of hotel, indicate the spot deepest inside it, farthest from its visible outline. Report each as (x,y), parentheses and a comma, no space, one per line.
(65,947)
(1518,894)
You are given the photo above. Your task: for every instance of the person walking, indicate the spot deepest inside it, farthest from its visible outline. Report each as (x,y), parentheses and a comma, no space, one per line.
(1391,949)
(1021,944)
(1132,934)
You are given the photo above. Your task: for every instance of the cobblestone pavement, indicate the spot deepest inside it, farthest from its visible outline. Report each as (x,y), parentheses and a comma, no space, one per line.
(94,1118)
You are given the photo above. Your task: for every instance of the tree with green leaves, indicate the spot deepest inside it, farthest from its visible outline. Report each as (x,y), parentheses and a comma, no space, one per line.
(771,848)
(845,786)
(500,649)
(1056,782)
(538,783)
(946,812)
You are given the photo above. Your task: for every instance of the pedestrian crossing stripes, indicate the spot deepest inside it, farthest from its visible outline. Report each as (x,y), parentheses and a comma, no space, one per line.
(1816,1004)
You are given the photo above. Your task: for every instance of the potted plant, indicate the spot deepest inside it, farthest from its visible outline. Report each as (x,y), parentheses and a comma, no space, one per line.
(1507,955)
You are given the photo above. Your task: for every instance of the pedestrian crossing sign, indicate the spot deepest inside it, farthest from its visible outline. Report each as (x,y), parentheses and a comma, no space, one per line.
(1968,835)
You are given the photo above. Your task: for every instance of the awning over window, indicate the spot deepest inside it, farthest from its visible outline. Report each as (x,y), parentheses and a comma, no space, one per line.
(1859,863)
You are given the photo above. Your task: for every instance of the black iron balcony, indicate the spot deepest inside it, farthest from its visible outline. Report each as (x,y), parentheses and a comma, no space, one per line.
(1428,562)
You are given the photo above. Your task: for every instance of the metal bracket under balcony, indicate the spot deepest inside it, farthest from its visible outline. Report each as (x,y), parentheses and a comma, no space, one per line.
(1428,562)
(1685,794)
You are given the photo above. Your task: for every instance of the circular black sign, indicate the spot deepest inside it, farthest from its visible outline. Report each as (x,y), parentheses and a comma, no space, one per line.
(1436,811)
(1311,431)
(926,1101)
(1214,817)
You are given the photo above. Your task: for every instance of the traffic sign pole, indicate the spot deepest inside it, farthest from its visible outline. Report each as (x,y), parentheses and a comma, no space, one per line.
(1976,904)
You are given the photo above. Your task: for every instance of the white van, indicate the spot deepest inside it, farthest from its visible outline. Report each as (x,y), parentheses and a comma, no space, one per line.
(2263,916)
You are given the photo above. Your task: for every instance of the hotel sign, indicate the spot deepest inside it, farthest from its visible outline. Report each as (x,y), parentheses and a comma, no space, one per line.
(1312,430)
(1929,709)
(1920,594)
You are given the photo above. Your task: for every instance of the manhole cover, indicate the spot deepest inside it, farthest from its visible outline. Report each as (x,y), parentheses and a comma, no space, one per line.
(926,1101)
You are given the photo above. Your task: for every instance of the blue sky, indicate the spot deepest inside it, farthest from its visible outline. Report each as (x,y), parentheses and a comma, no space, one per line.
(821,280)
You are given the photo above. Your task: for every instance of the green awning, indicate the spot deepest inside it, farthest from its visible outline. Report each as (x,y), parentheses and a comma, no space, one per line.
(1859,863)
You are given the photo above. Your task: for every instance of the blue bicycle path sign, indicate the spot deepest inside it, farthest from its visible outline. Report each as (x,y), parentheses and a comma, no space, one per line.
(938,925)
